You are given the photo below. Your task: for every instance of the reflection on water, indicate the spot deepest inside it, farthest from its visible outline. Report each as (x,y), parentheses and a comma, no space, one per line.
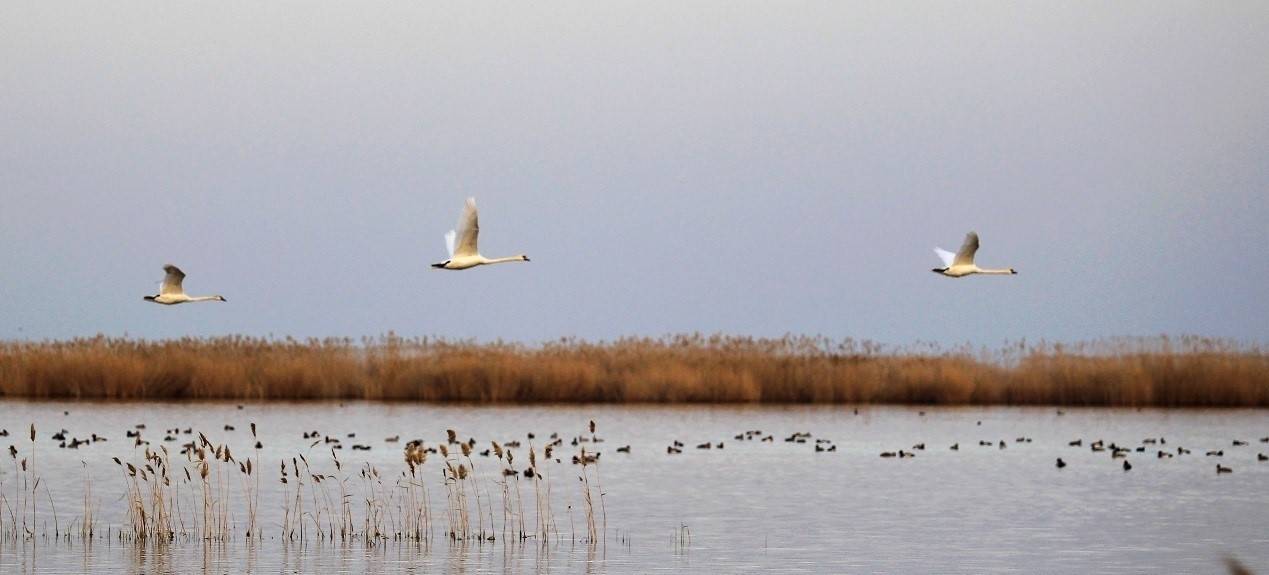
(741,505)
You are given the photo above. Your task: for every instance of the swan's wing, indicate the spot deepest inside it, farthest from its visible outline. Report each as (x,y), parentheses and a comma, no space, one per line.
(468,228)
(449,242)
(946,256)
(172,281)
(966,254)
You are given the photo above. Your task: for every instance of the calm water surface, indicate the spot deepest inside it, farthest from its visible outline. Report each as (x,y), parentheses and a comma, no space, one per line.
(751,506)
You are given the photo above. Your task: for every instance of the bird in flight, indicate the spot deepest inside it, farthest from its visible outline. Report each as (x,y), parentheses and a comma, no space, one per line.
(461,244)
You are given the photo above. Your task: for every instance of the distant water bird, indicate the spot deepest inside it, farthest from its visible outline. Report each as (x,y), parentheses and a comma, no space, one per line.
(961,263)
(1222,469)
(1060,463)
(1235,567)
(1262,457)
(461,244)
(956,447)
(171,292)
(1239,443)
(1127,466)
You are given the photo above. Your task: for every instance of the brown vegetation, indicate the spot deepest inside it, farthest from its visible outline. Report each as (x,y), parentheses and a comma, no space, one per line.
(691,368)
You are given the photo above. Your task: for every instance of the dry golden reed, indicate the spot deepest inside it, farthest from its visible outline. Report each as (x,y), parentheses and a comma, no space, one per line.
(1171,372)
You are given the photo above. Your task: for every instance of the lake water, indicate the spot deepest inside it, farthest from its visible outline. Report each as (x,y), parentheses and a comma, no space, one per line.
(751,506)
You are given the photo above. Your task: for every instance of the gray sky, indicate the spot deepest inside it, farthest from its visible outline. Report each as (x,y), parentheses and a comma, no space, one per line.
(746,167)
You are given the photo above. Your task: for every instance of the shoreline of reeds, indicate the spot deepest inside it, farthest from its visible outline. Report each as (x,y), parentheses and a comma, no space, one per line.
(1133,372)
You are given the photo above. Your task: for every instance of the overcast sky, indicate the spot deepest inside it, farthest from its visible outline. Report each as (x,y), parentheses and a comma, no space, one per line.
(753,168)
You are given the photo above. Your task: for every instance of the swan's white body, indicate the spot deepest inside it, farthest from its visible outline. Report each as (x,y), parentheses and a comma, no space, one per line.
(461,244)
(171,292)
(961,263)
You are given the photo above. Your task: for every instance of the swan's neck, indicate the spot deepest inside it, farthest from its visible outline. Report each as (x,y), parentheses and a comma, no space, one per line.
(1002,272)
(507,259)
(207,298)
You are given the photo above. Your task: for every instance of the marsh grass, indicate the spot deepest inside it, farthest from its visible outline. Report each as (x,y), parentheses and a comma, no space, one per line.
(1163,371)
(195,497)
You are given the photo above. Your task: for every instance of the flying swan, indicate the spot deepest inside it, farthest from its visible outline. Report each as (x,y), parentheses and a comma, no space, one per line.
(171,292)
(961,263)
(464,255)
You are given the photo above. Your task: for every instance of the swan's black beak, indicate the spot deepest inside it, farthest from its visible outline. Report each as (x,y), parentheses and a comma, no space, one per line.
(440,265)
(1013,271)
(526,258)
(939,270)
(149,298)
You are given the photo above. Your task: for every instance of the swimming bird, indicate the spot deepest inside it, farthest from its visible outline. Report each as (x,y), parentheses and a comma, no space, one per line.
(461,244)
(1222,469)
(171,292)
(1127,466)
(961,263)
(1060,463)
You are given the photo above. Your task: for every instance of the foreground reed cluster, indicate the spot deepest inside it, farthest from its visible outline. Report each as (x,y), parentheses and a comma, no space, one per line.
(206,492)
(1162,371)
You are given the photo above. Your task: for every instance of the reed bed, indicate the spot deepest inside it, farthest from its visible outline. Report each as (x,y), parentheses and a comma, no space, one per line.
(206,493)
(1160,371)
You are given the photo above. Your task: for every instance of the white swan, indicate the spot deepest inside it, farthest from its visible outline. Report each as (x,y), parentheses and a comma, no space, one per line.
(171,292)
(465,255)
(961,263)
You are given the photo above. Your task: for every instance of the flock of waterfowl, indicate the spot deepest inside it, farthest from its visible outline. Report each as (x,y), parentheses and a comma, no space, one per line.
(463,254)
(1156,446)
